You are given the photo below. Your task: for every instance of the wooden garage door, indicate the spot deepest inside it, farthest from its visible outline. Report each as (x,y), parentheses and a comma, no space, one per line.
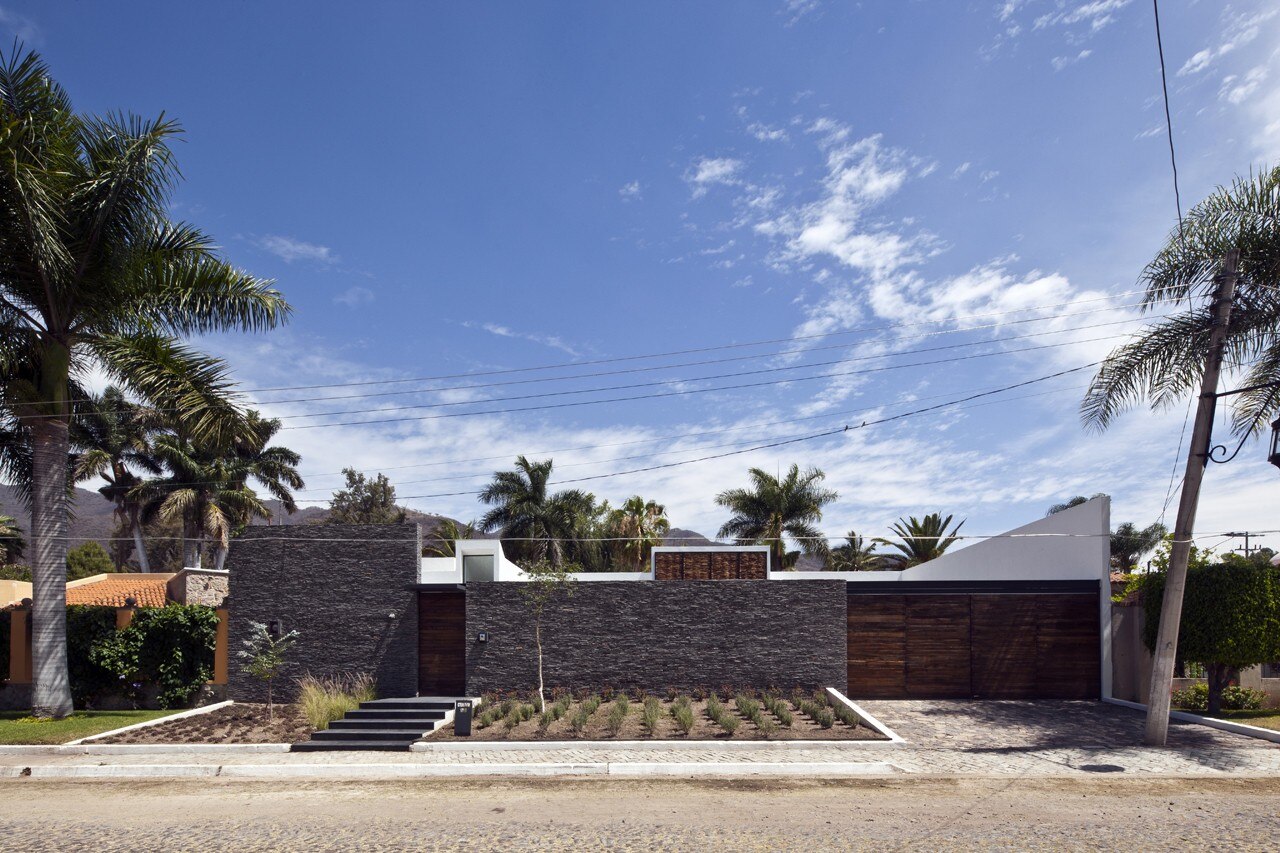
(442,643)
(994,646)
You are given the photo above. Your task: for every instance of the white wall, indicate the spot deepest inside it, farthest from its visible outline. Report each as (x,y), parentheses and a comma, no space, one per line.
(448,570)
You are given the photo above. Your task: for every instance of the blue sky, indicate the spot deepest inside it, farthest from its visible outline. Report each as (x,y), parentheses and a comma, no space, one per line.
(487,186)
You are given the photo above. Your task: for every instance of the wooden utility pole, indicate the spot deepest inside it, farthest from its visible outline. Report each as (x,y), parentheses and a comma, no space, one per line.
(1184,527)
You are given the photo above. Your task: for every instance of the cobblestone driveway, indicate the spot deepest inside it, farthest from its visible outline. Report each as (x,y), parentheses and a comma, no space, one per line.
(1055,738)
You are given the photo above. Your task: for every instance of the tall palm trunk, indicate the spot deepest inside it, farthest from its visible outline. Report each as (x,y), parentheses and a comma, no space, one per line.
(139,546)
(51,696)
(190,543)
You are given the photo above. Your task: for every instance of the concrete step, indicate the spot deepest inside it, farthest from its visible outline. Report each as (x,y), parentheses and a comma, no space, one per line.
(408,704)
(405,736)
(350,745)
(414,724)
(393,714)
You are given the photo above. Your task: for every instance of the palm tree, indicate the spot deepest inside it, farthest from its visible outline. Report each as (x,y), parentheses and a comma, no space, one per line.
(12,543)
(113,436)
(922,540)
(207,489)
(549,525)
(1128,543)
(440,542)
(1167,362)
(641,524)
(93,272)
(773,508)
(1072,502)
(854,556)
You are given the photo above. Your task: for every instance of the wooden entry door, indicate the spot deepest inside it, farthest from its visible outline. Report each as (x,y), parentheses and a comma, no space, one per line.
(442,643)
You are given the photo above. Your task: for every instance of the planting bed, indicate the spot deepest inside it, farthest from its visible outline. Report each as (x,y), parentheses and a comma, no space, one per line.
(237,723)
(709,719)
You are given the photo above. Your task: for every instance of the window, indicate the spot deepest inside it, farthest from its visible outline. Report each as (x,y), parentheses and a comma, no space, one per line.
(477,567)
(1271,670)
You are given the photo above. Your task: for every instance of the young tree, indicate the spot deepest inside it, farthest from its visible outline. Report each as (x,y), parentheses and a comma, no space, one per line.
(263,656)
(95,275)
(365,501)
(1230,619)
(12,542)
(773,508)
(87,560)
(547,582)
(921,540)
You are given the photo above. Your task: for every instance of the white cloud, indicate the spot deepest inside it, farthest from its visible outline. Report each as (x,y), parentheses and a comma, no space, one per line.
(961,169)
(765,133)
(1235,90)
(795,10)
(1237,31)
(707,172)
(1096,14)
(22,27)
(289,249)
(1061,62)
(631,191)
(354,296)
(1155,130)
(552,341)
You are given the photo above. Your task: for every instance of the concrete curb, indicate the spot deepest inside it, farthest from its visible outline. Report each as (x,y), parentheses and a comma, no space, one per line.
(865,716)
(193,712)
(1224,725)
(147,749)
(639,745)
(808,770)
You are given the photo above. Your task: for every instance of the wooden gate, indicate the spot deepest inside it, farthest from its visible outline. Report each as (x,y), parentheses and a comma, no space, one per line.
(974,645)
(442,643)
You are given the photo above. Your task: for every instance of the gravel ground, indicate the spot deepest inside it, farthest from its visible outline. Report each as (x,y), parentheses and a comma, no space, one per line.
(243,722)
(1005,814)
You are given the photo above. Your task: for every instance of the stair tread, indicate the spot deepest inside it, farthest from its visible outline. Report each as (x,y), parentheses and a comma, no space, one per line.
(350,745)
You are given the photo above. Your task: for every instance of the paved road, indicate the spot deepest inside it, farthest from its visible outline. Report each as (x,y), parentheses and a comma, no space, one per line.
(903,814)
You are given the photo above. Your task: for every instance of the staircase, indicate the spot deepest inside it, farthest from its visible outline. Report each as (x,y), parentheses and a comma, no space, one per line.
(383,724)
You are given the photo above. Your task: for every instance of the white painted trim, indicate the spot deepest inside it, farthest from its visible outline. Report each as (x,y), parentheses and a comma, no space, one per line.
(589,577)
(641,745)
(1225,725)
(193,712)
(147,749)
(866,717)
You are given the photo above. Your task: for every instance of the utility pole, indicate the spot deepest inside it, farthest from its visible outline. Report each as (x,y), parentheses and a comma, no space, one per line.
(1246,550)
(1197,458)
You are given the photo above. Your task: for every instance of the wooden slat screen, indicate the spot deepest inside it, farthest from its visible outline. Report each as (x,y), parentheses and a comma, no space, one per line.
(710,565)
(995,646)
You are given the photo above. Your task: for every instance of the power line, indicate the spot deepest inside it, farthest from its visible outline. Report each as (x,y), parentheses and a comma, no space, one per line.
(716,348)
(689,391)
(734,375)
(785,442)
(1168,118)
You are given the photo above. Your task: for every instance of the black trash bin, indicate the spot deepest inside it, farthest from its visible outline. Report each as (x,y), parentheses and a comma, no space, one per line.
(462,717)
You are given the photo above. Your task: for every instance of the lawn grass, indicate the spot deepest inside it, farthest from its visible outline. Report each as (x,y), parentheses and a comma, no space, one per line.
(16,727)
(1267,718)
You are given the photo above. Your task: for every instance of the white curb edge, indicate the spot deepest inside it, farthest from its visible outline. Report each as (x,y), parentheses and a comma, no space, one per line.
(638,745)
(193,712)
(806,770)
(1225,725)
(866,717)
(147,749)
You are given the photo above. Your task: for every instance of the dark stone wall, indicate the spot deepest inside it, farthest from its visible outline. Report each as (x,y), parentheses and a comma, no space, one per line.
(653,635)
(336,586)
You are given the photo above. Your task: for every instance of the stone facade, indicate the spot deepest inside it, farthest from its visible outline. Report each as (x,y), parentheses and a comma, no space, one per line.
(338,586)
(209,587)
(654,635)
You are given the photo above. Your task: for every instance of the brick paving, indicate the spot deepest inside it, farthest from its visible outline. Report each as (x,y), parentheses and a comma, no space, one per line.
(942,738)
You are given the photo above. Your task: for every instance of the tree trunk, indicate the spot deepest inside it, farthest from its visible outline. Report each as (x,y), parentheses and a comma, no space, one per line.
(1217,675)
(51,693)
(537,636)
(220,552)
(190,545)
(139,546)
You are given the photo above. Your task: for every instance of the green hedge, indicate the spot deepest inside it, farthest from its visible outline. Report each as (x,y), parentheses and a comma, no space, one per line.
(6,623)
(171,648)
(87,627)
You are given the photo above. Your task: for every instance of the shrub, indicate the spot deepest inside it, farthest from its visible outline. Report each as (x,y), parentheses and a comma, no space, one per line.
(672,693)
(650,716)
(624,703)
(1234,698)
(714,708)
(617,717)
(778,707)
(526,712)
(728,722)
(488,718)
(683,715)
(512,719)
(747,706)
(579,720)
(766,725)
(591,704)
(326,699)
(819,713)
(561,706)
(87,628)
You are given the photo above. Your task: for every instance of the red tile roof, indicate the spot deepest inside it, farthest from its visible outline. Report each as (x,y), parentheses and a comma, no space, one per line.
(147,590)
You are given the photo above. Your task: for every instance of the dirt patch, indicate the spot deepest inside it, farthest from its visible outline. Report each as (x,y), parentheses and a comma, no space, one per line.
(238,723)
(704,728)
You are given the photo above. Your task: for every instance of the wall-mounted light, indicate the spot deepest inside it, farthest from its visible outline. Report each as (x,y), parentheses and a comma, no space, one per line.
(482,636)
(391,615)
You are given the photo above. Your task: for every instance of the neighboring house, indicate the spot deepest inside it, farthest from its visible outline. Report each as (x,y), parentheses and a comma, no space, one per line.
(1025,614)
(137,589)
